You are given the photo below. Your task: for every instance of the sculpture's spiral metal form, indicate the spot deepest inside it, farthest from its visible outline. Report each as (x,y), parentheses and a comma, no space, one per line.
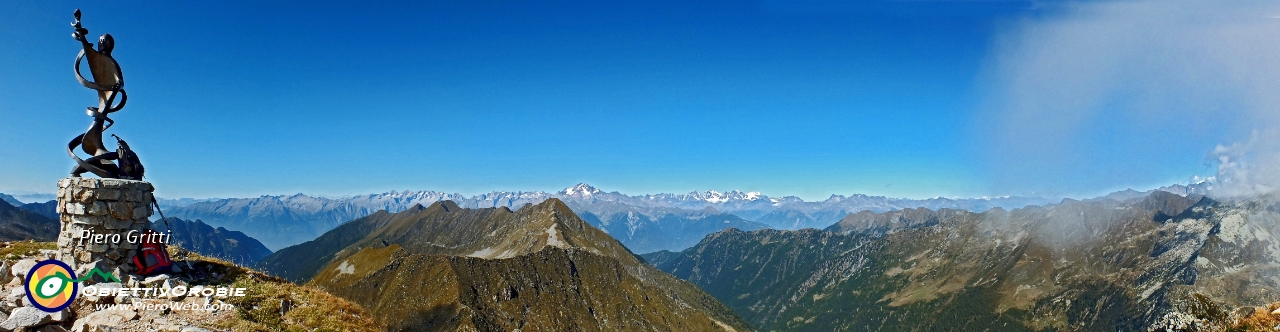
(108,82)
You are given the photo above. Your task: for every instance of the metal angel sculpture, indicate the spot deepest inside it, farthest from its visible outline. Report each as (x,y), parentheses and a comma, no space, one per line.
(108,81)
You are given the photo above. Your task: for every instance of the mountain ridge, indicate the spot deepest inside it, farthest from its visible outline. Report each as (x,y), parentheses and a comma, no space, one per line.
(233,246)
(1078,265)
(283,220)
(539,267)
(17,224)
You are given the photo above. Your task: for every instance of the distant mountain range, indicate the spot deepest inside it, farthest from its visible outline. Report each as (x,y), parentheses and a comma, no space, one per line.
(11,200)
(643,222)
(20,199)
(47,209)
(1159,262)
(17,224)
(537,268)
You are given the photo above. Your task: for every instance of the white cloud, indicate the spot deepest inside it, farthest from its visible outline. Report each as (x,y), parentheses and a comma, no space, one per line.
(1169,73)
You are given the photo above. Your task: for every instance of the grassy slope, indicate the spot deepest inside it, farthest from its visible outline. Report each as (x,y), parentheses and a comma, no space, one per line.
(548,290)
(312,309)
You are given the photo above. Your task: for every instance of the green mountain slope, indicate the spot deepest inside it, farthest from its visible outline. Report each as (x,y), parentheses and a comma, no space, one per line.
(539,268)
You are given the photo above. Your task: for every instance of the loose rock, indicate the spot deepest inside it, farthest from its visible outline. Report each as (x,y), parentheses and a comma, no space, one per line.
(25,317)
(155,280)
(103,318)
(4,272)
(21,268)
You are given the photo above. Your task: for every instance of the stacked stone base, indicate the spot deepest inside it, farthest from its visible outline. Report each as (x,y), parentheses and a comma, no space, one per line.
(107,207)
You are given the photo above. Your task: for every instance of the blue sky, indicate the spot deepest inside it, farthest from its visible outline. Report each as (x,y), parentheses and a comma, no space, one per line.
(808,98)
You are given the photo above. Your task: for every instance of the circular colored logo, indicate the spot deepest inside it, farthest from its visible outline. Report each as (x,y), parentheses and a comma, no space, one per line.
(51,285)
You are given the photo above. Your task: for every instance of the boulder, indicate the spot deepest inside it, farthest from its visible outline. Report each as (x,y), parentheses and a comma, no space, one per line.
(61,316)
(175,282)
(48,254)
(155,280)
(5,275)
(16,295)
(21,268)
(24,318)
(103,318)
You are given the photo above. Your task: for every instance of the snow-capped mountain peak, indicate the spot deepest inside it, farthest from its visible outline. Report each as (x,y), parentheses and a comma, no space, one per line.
(580,190)
(716,197)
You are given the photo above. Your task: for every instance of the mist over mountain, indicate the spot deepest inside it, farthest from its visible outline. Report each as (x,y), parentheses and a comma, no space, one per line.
(540,267)
(647,222)
(173,203)
(1148,262)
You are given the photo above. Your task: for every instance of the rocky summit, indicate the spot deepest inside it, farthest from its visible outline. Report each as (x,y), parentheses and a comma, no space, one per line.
(269,304)
(1159,262)
(538,268)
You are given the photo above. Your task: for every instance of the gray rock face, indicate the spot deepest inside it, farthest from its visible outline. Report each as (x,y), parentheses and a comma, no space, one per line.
(25,317)
(5,272)
(16,295)
(21,268)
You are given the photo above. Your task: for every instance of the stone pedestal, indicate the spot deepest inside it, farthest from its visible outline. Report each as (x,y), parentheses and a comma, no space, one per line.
(108,207)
